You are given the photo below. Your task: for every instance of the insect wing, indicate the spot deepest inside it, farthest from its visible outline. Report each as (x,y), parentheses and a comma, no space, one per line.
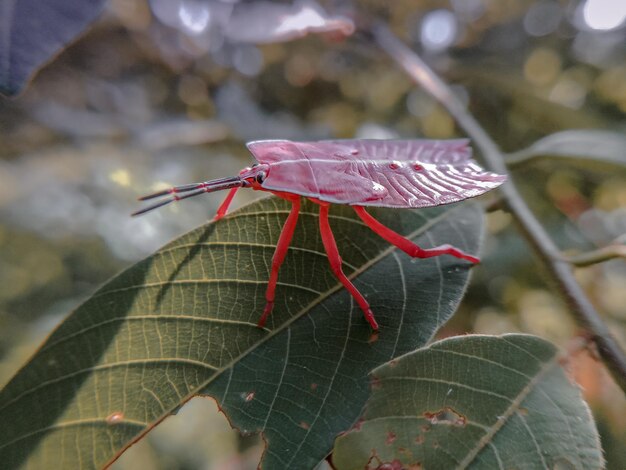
(387,173)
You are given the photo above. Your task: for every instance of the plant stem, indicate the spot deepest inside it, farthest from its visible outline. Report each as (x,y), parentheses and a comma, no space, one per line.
(560,270)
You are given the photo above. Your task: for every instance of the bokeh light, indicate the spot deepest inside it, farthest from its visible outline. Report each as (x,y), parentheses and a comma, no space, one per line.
(194,16)
(604,15)
(438,30)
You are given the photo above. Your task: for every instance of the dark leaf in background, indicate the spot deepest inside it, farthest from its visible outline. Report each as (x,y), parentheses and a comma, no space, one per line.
(32,32)
(474,402)
(183,323)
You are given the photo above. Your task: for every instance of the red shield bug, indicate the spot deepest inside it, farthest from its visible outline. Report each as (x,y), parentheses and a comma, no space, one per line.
(360,173)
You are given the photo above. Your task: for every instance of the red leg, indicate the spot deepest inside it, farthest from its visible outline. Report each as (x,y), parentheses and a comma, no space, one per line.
(221,211)
(335,264)
(407,245)
(279,256)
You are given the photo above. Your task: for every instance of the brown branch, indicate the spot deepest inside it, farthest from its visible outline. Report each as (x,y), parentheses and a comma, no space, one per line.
(560,270)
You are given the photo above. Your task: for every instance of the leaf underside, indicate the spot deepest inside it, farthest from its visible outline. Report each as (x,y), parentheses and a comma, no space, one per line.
(183,322)
(475,402)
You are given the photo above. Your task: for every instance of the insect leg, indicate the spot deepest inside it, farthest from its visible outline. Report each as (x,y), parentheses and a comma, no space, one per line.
(335,264)
(407,245)
(279,256)
(221,211)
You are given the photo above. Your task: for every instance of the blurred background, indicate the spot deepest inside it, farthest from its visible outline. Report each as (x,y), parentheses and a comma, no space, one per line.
(165,92)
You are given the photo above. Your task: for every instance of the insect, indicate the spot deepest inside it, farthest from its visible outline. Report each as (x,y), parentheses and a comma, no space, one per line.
(360,173)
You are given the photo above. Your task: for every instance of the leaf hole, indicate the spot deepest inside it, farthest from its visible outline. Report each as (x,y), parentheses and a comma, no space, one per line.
(393,465)
(563,464)
(391,436)
(446,416)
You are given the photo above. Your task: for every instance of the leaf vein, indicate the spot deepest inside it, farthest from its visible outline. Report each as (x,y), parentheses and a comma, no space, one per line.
(150,317)
(280,381)
(328,391)
(200,281)
(515,404)
(106,367)
(77,423)
(247,244)
(449,382)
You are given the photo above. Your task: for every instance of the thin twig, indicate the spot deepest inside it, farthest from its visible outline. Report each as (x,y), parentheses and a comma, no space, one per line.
(560,270)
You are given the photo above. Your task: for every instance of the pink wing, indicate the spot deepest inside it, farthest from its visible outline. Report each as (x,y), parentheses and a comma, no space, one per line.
(388,173)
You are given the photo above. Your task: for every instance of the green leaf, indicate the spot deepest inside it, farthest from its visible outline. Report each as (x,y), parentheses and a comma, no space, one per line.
(586,146)
(183,323)
(474,402)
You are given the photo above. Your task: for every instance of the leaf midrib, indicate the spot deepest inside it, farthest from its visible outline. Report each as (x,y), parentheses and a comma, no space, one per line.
(513,407)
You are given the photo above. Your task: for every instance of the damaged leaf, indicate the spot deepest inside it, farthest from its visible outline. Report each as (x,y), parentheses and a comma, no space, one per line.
(474,402)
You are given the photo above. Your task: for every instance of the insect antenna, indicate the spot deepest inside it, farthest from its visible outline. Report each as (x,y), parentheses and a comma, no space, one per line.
(185,191)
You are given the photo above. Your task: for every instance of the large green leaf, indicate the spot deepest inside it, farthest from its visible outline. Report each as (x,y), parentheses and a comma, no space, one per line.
(183,322)
(474,402)
(587,146)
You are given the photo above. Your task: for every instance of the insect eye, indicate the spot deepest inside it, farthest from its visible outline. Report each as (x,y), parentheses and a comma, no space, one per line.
(260,177)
